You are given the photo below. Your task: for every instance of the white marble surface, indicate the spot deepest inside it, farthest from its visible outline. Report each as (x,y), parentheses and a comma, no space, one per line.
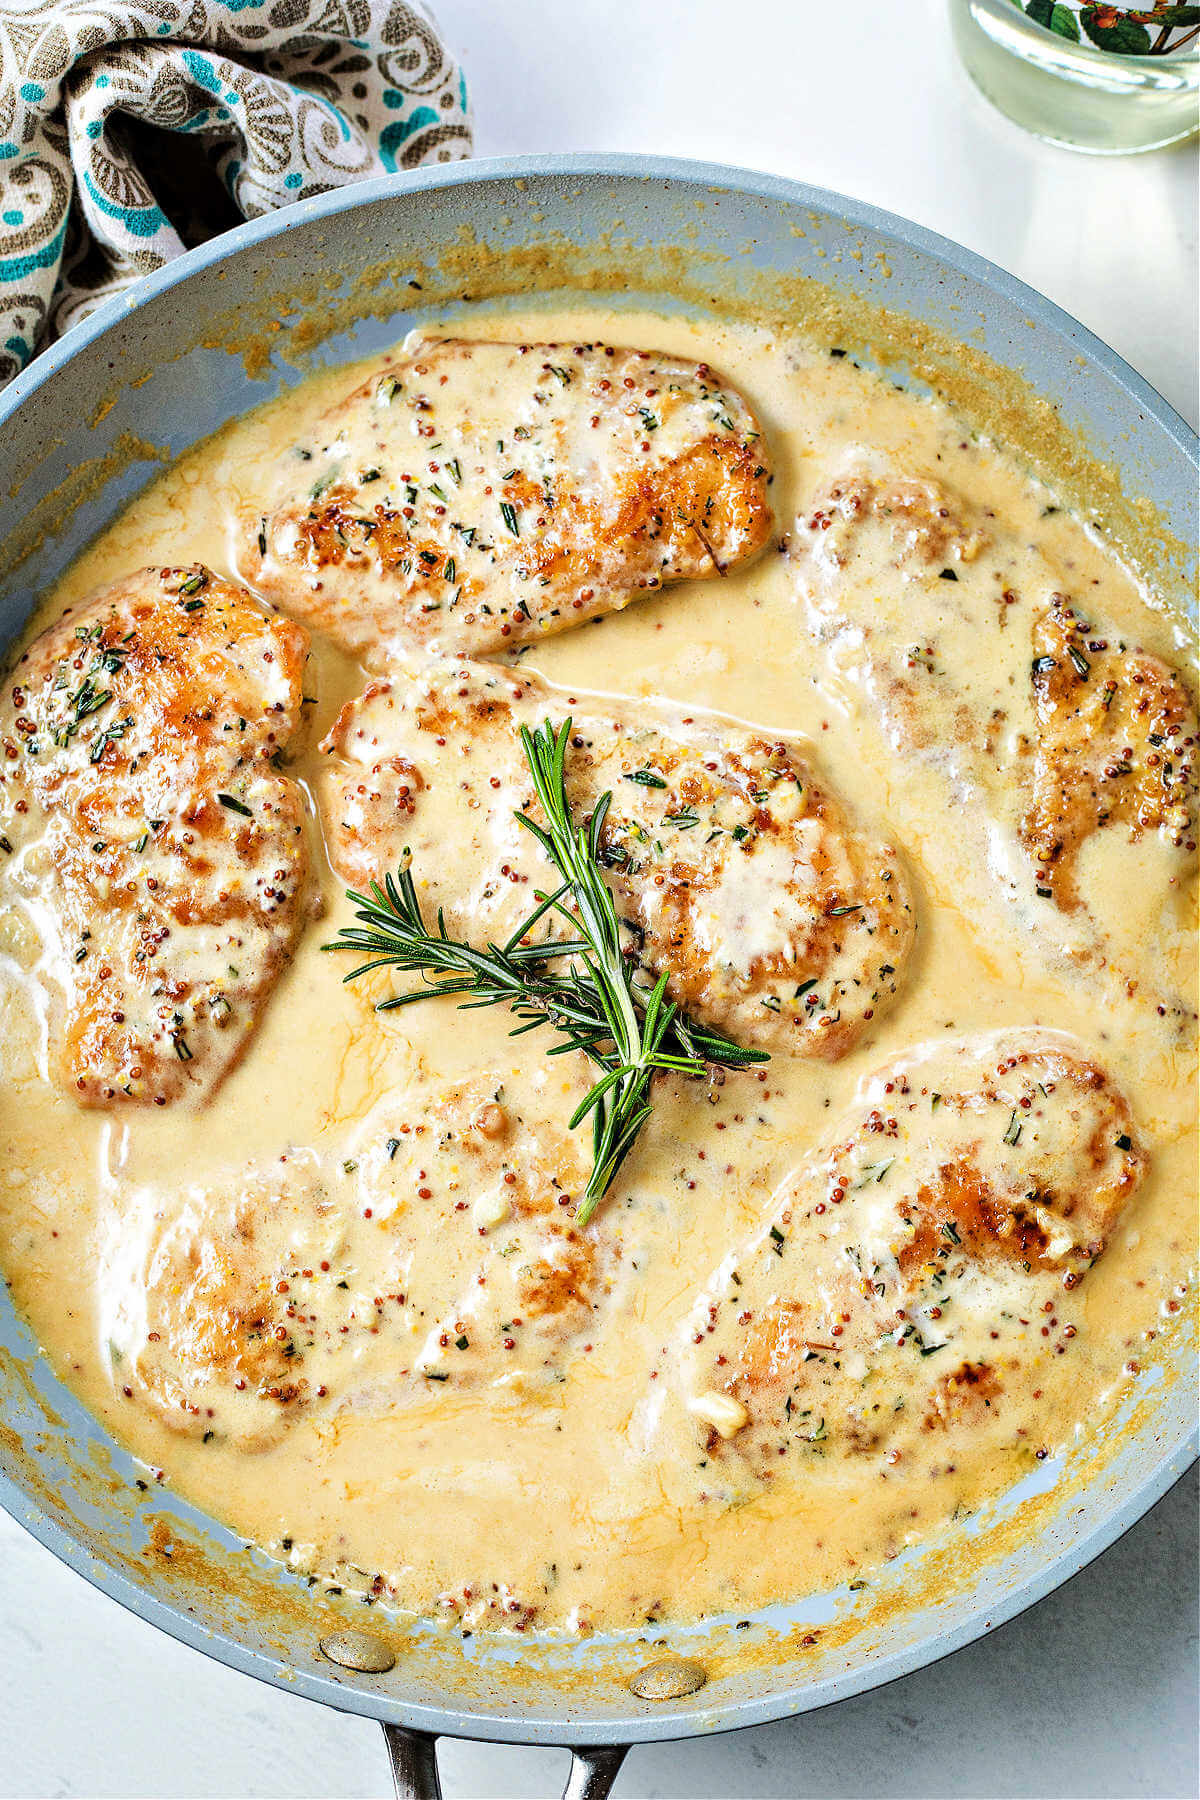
(1094,1691)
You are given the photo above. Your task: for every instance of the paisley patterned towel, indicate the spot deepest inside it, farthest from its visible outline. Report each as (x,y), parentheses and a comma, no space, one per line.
(129,132)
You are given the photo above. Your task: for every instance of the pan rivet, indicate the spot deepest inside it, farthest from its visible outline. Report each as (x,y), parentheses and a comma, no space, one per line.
(358,1650)
(669,1679)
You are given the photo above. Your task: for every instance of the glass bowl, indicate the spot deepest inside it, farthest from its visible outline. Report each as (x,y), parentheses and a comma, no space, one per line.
(1075,93)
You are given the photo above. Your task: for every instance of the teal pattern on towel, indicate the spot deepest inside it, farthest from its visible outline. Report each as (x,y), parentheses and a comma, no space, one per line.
(130,132)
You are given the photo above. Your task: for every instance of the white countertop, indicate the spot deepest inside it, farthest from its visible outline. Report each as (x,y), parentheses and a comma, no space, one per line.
(1094,1691)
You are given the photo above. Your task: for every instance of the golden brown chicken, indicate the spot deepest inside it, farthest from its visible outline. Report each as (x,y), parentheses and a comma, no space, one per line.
(733,865)
(1117,736)
(146,828)
(436,1250)
(905,1273)
(473,496)
(939,612)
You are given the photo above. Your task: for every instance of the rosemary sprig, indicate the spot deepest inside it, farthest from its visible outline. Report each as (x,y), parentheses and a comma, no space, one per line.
(639,1023)
(590,997)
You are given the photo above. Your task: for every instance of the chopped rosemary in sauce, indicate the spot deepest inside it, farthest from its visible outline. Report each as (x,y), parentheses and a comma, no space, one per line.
(108,736)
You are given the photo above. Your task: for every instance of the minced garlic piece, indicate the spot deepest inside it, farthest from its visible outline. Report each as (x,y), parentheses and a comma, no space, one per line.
(725,1414)
(490,1209)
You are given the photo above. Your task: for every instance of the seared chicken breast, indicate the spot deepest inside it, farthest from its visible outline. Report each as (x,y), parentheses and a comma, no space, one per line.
(440,1253)
(1116,742)
(145,827)
(950,1218)
(474,496)
(1062,729)
(733,865)
(886,567)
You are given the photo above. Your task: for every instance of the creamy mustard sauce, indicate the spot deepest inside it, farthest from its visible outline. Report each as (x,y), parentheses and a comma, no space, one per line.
(534,1492)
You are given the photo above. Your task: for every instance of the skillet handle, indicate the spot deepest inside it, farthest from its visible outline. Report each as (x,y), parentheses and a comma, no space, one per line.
(415,1772)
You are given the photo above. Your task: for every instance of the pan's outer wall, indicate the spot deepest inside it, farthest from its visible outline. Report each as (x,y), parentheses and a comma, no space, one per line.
(86,426)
